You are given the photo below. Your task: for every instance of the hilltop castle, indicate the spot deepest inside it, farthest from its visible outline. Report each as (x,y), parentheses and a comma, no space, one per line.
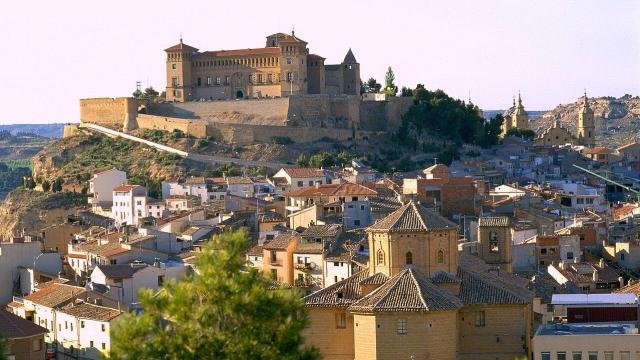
(284,67)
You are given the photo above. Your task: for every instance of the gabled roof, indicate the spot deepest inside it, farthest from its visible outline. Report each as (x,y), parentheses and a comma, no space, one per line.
(181,47)
(291,39)
(55,295)
(295,173)
(344,189)
(85,310)
(121,271)
(281,242)
(442,277)
(412,217)
(330,230)
(341,294)
(409,290)
(349,58)
(126,187)
(15,327)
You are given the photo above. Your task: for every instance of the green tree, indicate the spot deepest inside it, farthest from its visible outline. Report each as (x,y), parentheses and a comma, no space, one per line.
(224,312)
(151,93)
(406,92)
(137,94)
(372,86)
(46,185)
(521,133)
(57,185)
(302,161)
(3,347)
(389,86)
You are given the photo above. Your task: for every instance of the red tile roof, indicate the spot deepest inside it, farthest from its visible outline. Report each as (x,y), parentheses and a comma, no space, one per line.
(344,189)
(242,52)
(304,172)
(125,187)
(181,46)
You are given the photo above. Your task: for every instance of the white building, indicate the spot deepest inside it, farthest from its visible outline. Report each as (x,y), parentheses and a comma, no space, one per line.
(129,204)
(307,265)
(580,196)
(240,186)
(194,186)
(85,328)
(13,256)
(101,186)
(292,179)
(587,341)
(122,283)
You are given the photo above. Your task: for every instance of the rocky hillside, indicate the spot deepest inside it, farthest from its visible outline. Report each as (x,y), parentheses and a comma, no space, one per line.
(74,159)
(617,120)
(33,210)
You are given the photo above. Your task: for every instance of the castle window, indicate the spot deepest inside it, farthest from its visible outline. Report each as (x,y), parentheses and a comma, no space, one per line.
(409,258)
(289,61)
(174,81)
(208,80)
(260,78)
(270,77)
(494,245)
(380,257)
(199,82)
(479,322)
(289,76)
(217,80)
(173,66)
(250,78)
(341,320)
(440,257)
(401,328)
(227,80)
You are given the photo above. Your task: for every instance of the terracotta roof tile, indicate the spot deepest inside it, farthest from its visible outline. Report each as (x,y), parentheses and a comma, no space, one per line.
(89,311)
(412,217)
(295,173)
(330,230)
(341,294)
(55,295)
(15,327)
(281,242)
(409,290)
(493,221)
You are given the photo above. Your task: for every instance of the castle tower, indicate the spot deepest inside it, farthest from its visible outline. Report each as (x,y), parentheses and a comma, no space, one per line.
(586,124)
(179,81)
(351,71)
(293,65)
(520,118)
(494,238)
(507,123)
(413,236)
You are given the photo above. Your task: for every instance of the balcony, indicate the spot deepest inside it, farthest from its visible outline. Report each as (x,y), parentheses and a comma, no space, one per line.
(305,266)
(275,262)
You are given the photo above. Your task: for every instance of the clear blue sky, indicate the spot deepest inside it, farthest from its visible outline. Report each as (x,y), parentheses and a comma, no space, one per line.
(55,52)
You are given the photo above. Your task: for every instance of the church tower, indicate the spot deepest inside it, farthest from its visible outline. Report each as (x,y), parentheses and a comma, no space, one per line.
(586,124)
(179,84)
(507,122)
(520,118)
(494,238)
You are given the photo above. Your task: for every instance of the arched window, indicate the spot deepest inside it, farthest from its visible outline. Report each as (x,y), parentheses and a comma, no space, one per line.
(409,258)
(440,257)
(380,257)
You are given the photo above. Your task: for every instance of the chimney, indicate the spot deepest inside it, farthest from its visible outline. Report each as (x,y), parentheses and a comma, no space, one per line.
(595,275)
(601,263)
(562,265)
(621,281)
(317,185)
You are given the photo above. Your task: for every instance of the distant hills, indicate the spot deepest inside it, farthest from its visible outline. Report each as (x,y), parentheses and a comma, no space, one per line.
(52,131)
(533,114)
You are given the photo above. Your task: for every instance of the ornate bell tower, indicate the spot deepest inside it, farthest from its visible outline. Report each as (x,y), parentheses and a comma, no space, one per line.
(586,124)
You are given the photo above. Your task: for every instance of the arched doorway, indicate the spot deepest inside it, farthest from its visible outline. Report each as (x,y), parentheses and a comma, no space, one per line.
(239,94)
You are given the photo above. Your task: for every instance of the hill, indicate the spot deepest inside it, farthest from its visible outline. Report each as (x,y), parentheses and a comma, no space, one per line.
(617,119)
(52,131)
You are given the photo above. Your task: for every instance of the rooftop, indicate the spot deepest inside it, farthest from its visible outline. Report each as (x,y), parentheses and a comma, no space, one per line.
(412,217)
(587,329)
(15,327)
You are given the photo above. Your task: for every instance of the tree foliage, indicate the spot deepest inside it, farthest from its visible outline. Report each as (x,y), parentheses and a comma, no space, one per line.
(390,87)
(224,312)
(372,86)
(521,133)
(436,113)
(46,185)
(3,347)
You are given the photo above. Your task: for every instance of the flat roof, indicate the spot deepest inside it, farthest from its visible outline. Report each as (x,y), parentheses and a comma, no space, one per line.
(587,329)
(592,299)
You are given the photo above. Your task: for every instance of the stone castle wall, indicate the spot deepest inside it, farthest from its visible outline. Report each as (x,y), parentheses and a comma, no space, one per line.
(301,118)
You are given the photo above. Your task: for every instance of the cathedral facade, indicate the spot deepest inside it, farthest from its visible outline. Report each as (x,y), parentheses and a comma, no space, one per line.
(515,118)
(557,135)
(284,67)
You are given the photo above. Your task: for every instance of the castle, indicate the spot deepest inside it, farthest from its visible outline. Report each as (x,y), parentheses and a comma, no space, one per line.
(253,95)
(284,67)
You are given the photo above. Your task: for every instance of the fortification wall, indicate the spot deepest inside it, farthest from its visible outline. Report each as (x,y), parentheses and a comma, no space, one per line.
(249,111)
(246,134)
(196,128)
(70,130)
(108,111)
(383,115)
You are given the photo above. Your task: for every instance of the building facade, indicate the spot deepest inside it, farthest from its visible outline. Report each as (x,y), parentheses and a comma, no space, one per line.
(284,67)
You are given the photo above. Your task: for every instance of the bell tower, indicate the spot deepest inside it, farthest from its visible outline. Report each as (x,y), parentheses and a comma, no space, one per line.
(494,238)
(179,84)
(586,124)
(520,117)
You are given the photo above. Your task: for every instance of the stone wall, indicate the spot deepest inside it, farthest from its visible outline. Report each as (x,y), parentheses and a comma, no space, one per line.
(383,115)
(197,128)
(109,112)
(240,134)
(70,130)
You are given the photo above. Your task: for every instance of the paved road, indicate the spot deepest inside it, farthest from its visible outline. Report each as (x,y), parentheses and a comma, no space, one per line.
(208,159)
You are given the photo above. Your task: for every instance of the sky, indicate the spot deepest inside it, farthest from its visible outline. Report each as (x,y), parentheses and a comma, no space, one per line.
(56,52)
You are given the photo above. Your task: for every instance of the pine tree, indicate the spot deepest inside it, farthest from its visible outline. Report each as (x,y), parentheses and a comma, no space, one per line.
(223,312)
(389,86)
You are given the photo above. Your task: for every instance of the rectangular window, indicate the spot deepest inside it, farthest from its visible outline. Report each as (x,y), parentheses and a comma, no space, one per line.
(103,327)
(289,76)
(199,81)
(104,346)
(561,355)
(160,280)
(217,80)
(36,345)
(335,279)
(608,355)
(625,355)
(401,328)
(356,222)
(81,325)
(577,355)
(479,321)
(173,66)
(545,356)
(174,81)
(91,343)
(274,274)
(250,78)
(260,78)
(227,80)
(208,80)
(270,77)
(289,61)
(593,355)
(341,320)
